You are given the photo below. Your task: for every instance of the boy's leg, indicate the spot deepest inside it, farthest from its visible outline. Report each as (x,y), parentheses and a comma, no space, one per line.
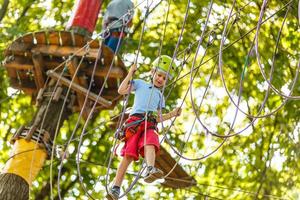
(122,170)
(114,192)
(149,151)
(152,173)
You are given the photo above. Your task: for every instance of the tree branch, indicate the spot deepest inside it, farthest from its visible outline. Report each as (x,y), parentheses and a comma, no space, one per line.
(3,9)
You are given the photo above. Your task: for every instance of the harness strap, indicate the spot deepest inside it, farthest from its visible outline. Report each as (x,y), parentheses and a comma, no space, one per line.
(133,123)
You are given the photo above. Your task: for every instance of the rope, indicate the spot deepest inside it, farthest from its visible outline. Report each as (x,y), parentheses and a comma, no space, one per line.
(10,96)
(125,104)
(192,76)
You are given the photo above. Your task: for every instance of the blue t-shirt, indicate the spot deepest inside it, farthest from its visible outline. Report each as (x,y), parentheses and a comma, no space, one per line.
(146,98)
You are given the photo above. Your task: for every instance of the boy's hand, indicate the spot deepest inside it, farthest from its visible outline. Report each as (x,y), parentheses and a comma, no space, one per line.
(133,68)
(177,111)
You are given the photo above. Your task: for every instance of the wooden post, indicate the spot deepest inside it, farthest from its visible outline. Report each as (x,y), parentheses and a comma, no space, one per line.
(37,59)
(72,66)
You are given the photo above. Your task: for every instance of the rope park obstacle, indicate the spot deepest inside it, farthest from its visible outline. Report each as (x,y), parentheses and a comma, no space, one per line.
(54,65)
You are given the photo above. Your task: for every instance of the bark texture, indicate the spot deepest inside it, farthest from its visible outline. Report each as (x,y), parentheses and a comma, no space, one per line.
(13,187)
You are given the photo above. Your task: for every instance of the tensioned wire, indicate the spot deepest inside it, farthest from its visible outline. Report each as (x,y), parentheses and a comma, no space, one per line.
(271,75)
(239,97)
(146,115)
(274,89)
(86,46)
(132,173)
(165,137)
(92,76)
(174,119)
(199,44)
(87,120)
(160,113)
(9,96)
(121,119)
(168,178)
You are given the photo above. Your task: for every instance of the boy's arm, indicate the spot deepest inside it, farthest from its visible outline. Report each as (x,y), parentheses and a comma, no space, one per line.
(124,88)
(173,113)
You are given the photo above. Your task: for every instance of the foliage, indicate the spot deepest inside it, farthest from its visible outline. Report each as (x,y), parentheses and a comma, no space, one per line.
(262,162)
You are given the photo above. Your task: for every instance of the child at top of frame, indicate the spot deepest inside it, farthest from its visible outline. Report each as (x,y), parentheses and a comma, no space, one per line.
(138,141)
(118,17)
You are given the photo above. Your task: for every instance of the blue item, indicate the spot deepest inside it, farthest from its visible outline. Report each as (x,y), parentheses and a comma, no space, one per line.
(142,101)
(112,43)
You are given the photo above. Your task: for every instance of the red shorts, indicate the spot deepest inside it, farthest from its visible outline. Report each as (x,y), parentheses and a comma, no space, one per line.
(134,146)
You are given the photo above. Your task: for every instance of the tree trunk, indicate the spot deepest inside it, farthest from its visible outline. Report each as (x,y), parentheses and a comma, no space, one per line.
(15,187)
(12,185)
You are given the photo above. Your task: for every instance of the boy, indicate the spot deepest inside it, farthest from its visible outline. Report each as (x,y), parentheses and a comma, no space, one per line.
(147,99)
(114,14)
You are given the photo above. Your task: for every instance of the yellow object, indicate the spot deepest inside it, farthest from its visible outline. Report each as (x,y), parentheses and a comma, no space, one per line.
(26,161)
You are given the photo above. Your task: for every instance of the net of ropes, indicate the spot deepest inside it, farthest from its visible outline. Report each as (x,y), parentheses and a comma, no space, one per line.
(198,56)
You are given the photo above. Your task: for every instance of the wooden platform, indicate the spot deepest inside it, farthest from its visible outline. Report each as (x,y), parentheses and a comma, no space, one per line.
(29,57)
(178,178)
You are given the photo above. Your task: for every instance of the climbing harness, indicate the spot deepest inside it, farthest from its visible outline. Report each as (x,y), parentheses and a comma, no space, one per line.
(128,129)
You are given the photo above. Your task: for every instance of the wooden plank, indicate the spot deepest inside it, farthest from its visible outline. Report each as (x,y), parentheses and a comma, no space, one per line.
(66,38)
(55,50)
(168,158)
(78,88)
(40,37)
(65,51)
(177,184)
(182,182)
(115,72)
(60,51)
(165,167)
(28,38)
(38,63)
(13,77)
(79,40)
(53,38)
(94,44)
(166,163)
(12,73)
(18,48)
(18,66)
(72,66)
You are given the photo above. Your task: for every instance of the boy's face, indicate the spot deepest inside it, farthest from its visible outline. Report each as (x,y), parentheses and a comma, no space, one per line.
(159,79)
